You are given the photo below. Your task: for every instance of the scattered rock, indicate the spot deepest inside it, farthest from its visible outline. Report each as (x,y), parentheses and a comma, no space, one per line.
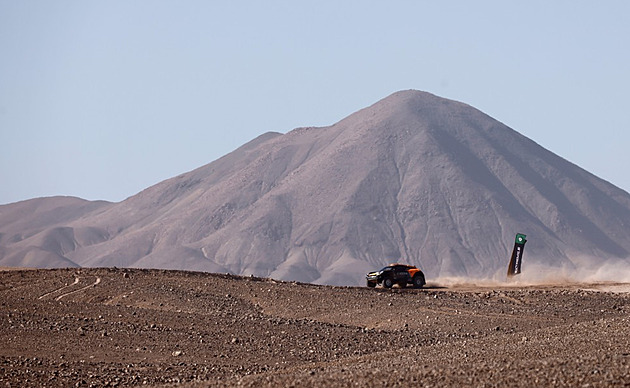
(304,335)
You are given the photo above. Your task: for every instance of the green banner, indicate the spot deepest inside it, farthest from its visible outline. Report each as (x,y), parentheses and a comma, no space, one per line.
(514,267)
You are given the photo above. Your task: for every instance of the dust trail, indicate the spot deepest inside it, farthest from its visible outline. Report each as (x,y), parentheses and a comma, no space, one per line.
(582,270)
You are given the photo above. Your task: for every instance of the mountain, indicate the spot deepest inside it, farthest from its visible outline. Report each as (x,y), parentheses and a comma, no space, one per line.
(413,178)
(33,232)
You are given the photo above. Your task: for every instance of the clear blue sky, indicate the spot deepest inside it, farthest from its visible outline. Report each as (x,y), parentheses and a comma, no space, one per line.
(101,99)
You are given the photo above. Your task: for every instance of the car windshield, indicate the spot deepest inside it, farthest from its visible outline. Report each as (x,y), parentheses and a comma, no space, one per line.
(386,269)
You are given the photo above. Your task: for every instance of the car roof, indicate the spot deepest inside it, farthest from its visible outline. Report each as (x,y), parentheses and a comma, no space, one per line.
(401,265)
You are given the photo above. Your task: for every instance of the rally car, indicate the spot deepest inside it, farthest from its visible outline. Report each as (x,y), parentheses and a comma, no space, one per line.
(400,274)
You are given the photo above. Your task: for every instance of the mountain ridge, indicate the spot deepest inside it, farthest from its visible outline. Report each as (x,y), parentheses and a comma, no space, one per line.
(413,177)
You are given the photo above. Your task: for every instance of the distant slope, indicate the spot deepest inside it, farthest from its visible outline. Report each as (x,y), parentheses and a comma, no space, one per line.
(413,178)
(32,232)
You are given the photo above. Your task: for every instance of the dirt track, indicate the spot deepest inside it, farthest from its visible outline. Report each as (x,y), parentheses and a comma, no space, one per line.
(97,327)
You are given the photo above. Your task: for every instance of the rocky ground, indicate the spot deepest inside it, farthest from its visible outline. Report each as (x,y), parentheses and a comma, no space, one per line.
(122,327)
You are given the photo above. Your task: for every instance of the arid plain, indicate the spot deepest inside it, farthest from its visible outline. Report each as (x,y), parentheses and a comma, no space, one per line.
(126,327)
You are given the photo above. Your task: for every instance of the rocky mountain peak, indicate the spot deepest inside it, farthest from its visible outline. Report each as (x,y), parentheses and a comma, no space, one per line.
(414,177)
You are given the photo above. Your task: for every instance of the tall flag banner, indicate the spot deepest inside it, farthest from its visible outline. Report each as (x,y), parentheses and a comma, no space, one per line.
(517,255)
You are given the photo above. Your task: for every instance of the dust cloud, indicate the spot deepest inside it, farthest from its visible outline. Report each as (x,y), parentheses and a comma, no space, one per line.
(581,270)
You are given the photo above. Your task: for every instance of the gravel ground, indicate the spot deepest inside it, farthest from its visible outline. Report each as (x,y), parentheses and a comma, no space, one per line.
(125,327)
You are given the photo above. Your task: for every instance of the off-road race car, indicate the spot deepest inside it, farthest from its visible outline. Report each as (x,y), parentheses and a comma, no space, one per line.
(400,274)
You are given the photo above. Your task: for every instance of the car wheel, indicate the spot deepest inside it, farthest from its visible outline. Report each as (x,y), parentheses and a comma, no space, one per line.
(388,283)
(418,281)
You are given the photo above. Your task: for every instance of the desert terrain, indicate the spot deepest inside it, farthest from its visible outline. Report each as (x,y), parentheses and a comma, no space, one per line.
(413,177)
(127,327)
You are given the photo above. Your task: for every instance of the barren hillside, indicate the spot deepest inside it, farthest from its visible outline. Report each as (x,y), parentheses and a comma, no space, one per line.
(413,178)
